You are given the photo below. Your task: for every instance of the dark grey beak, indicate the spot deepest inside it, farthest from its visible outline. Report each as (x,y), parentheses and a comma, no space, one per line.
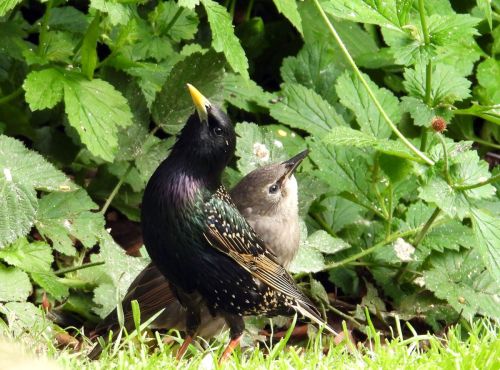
(292,163)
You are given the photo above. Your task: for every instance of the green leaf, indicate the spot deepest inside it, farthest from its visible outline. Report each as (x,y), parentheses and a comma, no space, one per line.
(67,18)
(31,257)
(118,12)
(173,105)
(355,96)
(485,7)
(345,136)
(308,259)
(18,205)
(488,76)
(486,228)
(350,169)
(30,168)
(372,301)
(326,243)
(24,317)
(62,216)
(452,202)
(304,109)
(313,68)
(451,235)
(58,47)
(145,44)
(51,284)
(397,169)
(318,291)
(22,172)
(176,22)
(152,76)
(447,85)
(289,9)
(421,113)
(89,45)
(190,4)
(44,89)
(460,279)
(260,146)
(466,168)
(245,93)
(95,110)
(391,13)
(340,212)
(450,35)
(15,285)
(152,153)
(417,214)
(223,37)
(7,5)
(114,277)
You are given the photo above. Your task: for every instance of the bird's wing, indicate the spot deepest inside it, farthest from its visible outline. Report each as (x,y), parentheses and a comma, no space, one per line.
(227,231)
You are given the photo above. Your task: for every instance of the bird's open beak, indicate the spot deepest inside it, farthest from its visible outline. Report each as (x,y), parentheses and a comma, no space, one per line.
(292,164)
(200,102)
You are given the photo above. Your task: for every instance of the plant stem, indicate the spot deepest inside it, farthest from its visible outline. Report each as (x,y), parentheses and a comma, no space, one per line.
(428,70)
(14,94)
(345,316)
(321,221)
(484,142)
(479,184)
(248,12)
(384,242)
(42,38)
(76,268)
(390,211)
(174,19)
(426,227)
(363,253)
(445,157)
(427,42)
(116,188)
(370,92)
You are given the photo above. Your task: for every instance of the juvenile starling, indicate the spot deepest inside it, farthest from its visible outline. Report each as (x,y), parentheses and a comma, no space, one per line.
(202,244)
(268,199)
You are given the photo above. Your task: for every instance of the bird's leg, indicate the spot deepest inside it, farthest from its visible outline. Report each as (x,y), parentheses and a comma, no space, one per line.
(236,325)
(192,323)
(193,320)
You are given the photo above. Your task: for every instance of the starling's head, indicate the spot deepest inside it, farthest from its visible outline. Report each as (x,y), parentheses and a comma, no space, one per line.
(208,139)
(270,190)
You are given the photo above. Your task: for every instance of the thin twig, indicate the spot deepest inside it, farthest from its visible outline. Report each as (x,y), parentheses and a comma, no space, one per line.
(116,188)
(479,184)
(14,94)
(76,268)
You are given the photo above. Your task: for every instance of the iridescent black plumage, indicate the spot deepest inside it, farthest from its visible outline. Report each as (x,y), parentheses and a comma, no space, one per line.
(268,198)
(201,243)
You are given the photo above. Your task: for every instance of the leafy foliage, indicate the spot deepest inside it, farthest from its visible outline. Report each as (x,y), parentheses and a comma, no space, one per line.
(398,217)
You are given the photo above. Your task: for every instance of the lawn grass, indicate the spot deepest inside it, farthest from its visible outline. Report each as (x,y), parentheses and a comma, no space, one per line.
(478,348)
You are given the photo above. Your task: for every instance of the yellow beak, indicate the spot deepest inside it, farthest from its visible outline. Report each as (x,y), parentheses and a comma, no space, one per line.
(200,102)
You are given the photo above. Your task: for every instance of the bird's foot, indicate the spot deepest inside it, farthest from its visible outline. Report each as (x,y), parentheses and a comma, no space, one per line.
(229,349)
(182,350)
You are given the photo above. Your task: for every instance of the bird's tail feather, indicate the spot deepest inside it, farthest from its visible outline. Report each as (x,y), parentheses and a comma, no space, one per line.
(311,313)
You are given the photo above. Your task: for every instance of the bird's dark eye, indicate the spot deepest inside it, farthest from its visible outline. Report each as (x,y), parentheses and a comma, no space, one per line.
(217,131)
(273,189)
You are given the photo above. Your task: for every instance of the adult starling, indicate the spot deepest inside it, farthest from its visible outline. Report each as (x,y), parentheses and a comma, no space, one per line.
(199,240)
(268,199)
